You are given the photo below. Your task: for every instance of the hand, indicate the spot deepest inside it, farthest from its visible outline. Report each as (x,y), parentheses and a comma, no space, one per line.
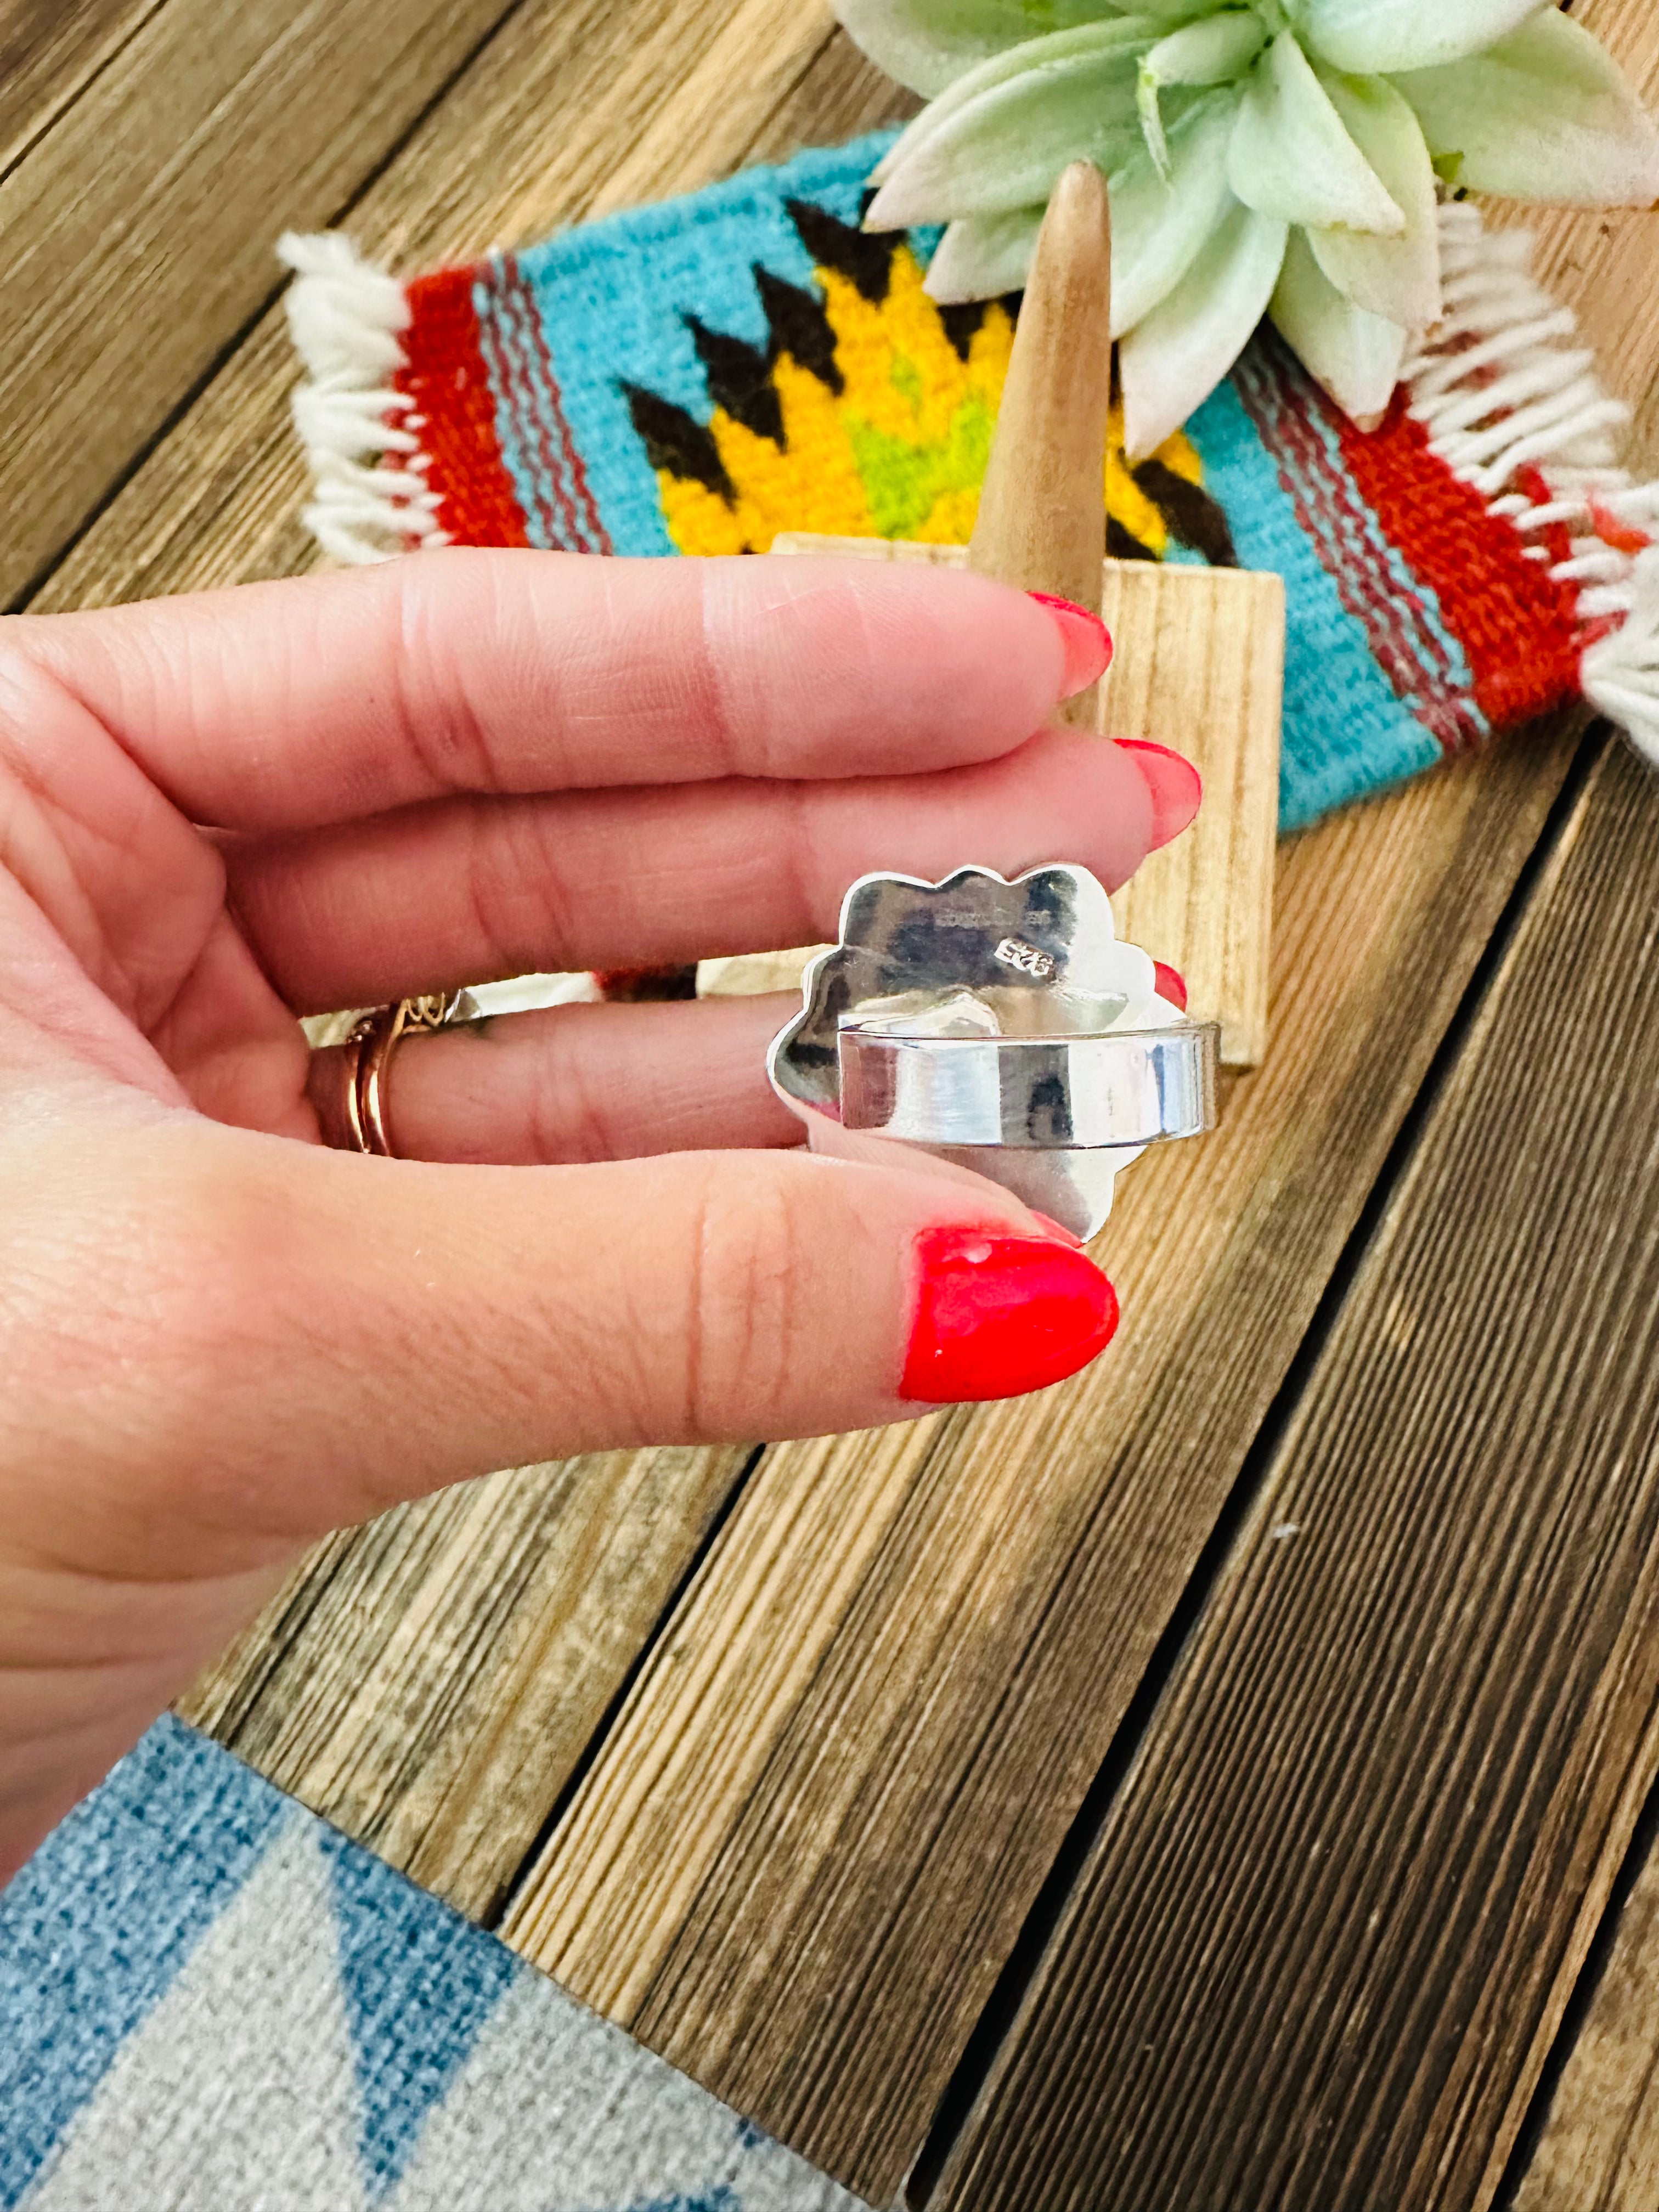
(221,1338)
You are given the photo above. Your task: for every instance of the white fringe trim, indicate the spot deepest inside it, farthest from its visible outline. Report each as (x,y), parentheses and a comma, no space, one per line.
(1500,388)
(371,498)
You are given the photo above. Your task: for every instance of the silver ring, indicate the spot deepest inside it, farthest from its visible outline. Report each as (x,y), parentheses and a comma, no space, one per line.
(998,1026)
(1125,1087)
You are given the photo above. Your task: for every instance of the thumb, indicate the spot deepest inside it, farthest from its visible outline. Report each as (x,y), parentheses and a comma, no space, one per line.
(328,1333)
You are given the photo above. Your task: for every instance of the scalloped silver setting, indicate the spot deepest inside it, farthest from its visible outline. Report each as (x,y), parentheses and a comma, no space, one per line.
(997,1025)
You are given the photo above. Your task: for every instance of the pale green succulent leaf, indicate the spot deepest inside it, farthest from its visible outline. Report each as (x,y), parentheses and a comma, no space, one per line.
(1175,358)
(1212,51)
(1291,156)
(1368,35)
(1129,35)
(926,44)
(982,256)
(1398,278)
(1158,227)
(1543,115)
(1356,356)
(1003,147)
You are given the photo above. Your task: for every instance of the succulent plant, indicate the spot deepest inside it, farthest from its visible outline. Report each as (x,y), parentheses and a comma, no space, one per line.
(1284,156)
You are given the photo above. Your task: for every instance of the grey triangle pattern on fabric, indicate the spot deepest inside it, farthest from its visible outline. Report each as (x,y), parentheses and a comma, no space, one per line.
(316,2034)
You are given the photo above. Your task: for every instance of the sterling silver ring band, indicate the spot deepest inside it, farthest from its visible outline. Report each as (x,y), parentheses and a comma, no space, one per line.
(1122,1087)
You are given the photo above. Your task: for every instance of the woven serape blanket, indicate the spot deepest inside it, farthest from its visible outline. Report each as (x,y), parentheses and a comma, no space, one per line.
(696,376)
(209,1999)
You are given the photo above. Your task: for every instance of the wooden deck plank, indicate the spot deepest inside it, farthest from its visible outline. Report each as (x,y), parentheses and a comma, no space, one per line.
(1324,1941)
(577,106)
(431,1685)
(136,237)
(1598,2150)
(804,1853)
(50,51)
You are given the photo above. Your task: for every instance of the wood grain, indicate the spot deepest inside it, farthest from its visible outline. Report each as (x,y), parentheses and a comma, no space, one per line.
(137,237)
(840,96)
(1599,2149)
(1199,665)
(1324,1941)
(50,51)
(429,1684)
(802,1855)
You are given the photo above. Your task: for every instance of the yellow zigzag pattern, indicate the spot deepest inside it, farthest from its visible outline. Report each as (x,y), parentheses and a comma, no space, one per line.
(900,452)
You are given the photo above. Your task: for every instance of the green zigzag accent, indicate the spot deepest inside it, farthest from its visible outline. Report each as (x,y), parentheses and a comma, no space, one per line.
(903,482)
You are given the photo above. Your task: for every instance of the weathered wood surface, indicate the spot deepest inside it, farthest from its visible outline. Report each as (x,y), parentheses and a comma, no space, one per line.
(575,107)
(432,1683)
(1598,2150)
(135,240)
(50,51)
(1324,1942)
(803,1853)
(904,1658)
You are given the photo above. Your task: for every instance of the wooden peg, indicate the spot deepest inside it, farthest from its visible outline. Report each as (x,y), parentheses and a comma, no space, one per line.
(1042,510)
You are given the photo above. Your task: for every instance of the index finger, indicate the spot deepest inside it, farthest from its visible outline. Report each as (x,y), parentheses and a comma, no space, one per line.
(291,705)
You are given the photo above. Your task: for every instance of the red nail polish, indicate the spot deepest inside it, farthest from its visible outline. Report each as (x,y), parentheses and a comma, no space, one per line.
(1171,984)
(1176,785)
(999,1315)
(1087,641)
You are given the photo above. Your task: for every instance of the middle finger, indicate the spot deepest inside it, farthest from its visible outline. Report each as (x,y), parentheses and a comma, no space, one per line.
(469,889)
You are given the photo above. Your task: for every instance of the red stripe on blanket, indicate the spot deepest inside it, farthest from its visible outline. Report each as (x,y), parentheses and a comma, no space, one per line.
(447,380)
(590,533)
(1408,643)
(1518,626)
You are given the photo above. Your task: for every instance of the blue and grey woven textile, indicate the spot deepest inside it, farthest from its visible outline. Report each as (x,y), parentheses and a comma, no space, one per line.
(210,2001)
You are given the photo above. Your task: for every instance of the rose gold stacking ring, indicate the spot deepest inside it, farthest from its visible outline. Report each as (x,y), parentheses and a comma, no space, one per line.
(366,1061)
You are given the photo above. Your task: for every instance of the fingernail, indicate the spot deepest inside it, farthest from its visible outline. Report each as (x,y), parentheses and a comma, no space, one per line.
(1171,984)
(1087,641)
(1176,785)
(997,1315)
